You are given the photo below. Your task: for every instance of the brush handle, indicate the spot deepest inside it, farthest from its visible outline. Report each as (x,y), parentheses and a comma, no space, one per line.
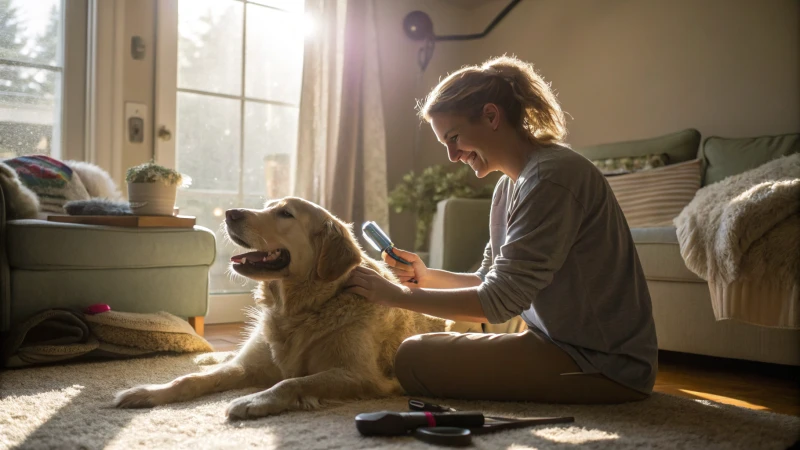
(388,423)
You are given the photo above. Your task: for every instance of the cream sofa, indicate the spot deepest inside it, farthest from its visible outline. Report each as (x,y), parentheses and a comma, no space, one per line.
(682,308)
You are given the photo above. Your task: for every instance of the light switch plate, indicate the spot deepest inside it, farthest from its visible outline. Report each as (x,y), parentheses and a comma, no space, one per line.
(135,120)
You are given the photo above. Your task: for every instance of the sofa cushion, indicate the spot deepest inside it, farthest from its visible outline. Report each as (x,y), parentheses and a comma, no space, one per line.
(680,146)
(653,198)
(724,157)
(660,255)
(42,245)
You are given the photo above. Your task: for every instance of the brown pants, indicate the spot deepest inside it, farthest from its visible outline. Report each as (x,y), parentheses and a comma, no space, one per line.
(504,366)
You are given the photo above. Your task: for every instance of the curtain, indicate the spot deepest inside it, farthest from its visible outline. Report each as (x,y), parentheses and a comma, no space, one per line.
(341,157)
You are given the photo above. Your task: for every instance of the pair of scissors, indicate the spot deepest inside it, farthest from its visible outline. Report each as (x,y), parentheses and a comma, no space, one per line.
(461,437)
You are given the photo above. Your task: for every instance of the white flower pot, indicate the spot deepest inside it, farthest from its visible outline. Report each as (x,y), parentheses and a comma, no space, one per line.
(152,199)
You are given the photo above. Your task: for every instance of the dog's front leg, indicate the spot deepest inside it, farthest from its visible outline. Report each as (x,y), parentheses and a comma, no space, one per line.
(307,393)
(252,366)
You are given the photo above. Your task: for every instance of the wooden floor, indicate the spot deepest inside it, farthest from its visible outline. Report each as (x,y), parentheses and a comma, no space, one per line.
(751,385)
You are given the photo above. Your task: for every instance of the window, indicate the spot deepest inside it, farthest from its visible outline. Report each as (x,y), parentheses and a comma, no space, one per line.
(36,112)
(238,90)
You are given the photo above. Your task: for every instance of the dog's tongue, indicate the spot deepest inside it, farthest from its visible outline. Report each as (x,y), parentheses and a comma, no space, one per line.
(254,257)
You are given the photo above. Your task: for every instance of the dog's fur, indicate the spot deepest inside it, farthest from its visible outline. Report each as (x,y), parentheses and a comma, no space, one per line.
(311,343)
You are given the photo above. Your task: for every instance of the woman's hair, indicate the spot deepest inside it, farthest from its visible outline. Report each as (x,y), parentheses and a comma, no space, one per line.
(509,83)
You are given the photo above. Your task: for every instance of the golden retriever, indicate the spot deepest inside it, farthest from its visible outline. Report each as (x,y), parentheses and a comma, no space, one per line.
(311,344)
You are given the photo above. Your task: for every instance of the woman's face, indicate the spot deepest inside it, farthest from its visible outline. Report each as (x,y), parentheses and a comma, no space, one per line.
(468,141)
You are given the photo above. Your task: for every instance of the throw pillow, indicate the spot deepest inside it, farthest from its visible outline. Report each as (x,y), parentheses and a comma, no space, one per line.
(629,164)
(724,157)
(653,198)
(50,179)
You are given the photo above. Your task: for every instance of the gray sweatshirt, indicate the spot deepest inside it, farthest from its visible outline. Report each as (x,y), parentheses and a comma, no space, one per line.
(561,255)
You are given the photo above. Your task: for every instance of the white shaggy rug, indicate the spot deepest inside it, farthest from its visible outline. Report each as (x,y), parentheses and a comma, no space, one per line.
(69,406)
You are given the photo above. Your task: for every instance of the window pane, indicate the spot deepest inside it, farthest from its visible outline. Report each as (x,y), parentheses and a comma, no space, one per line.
(30,105)
(269,145)
(30,97)
(208,141)
(210,45)
(288,5)
(30,31)
(274,62)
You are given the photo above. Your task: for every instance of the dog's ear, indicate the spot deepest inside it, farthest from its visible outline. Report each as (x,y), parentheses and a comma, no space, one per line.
(338,252)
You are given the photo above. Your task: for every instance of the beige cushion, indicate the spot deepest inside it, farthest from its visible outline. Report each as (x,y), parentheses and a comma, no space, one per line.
(660,255)
(653,198)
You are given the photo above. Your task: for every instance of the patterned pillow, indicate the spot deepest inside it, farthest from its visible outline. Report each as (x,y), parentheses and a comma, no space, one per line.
(630,164)
(653,198)
(51,180)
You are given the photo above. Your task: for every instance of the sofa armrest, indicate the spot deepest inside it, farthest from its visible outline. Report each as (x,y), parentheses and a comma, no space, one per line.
(459,233)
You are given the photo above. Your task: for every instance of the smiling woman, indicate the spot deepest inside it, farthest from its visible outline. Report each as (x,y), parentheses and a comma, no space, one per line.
(560,262)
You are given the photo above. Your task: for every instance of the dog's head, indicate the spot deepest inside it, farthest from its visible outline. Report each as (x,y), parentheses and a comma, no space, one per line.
(291,238)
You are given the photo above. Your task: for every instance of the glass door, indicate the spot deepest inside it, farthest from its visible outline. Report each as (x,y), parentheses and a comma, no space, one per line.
(236,96)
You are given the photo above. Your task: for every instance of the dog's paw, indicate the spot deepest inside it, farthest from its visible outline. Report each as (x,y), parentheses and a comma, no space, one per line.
(256,405)
(145,396)
(208,359)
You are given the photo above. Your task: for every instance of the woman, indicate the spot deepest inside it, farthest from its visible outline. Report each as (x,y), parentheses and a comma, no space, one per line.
(560,256)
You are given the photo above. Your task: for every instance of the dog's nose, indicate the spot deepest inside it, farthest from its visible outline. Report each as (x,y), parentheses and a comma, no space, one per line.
(232,215)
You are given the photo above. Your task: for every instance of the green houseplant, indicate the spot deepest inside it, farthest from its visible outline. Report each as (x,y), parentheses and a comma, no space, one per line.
(421,193)
(152,188)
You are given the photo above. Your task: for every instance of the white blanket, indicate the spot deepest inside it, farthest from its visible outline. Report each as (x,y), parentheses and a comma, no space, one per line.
(742,235)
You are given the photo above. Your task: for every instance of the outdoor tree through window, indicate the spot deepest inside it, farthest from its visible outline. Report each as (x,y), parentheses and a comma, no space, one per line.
(31,69)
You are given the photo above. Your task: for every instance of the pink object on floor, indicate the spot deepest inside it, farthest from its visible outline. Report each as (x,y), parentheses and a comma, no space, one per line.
(97,309)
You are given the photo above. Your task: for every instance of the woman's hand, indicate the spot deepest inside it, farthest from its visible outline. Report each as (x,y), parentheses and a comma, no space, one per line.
(417,270)
(372,286)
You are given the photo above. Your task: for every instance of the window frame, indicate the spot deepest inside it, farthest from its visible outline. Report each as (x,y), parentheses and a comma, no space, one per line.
(69,129)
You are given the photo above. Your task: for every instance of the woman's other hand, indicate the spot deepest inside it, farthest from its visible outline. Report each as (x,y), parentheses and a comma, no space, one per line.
(373,287)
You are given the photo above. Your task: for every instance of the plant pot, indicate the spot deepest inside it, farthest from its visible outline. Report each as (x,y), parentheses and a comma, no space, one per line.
(152,199)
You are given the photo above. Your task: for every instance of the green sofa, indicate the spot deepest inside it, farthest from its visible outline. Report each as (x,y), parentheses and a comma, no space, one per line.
(682,307)
(46,265)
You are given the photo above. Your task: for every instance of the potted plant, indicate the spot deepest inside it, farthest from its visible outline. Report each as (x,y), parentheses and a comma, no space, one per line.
(152,189)
(421,193)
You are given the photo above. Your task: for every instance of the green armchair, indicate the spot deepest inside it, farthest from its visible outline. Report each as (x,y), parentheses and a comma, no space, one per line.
(45,265)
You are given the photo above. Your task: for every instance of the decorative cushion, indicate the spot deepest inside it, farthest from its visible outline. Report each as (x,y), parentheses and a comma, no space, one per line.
(54,182)
(680,146)
(629,164)
(724,157)
(653,198)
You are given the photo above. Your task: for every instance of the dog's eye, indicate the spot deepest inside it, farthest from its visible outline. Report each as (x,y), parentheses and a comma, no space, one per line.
(285,213)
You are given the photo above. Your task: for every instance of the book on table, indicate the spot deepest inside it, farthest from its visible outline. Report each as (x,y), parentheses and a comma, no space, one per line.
(129,221)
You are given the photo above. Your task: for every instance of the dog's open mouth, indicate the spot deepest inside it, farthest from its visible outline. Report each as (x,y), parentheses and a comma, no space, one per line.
(272,260)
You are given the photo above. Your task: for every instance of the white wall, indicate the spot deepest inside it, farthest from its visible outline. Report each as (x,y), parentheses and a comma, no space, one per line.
(623,69)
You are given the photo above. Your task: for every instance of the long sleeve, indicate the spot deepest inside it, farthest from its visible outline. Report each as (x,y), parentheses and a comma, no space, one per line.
(486,264)
(541,229)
